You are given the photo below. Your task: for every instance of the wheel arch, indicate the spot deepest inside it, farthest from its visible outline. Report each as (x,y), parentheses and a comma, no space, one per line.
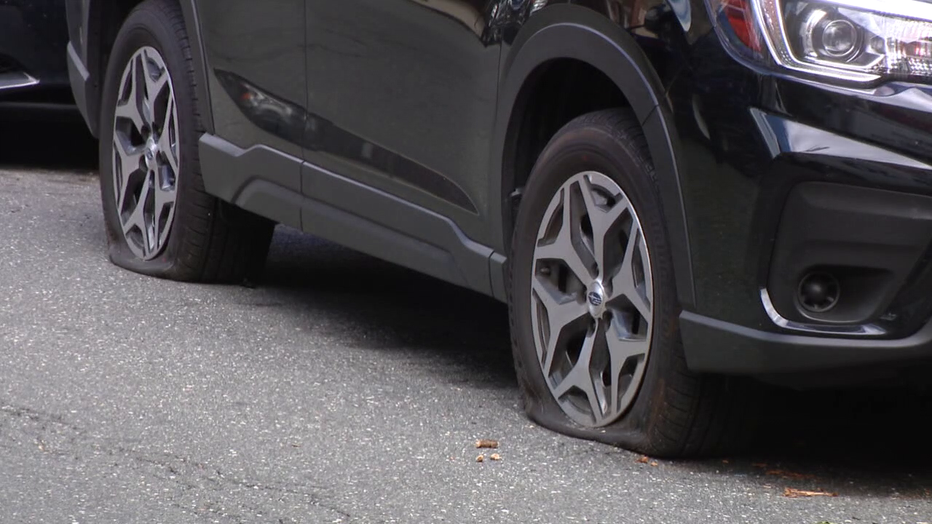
(102,20)
(573,33)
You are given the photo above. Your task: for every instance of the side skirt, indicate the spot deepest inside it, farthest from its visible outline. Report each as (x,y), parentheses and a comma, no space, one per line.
(295,193)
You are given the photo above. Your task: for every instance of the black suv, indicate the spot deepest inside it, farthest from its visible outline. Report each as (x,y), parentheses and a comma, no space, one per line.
(670,194)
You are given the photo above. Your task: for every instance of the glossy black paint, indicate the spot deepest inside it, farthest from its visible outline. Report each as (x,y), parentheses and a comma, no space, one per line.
(261,43)
(405,93)
(296,125)
(401,126)
(33,36)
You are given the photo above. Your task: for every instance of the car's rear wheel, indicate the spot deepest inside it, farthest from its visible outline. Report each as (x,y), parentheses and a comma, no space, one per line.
(160,221)
(593,301)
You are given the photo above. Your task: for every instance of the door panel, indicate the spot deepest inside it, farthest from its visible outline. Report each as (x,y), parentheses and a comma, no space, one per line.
(256,57)
(401,97)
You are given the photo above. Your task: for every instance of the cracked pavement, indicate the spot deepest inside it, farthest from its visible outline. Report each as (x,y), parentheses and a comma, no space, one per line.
(345,389)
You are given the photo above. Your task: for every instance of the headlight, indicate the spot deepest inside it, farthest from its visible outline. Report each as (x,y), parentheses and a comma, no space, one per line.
(852,40)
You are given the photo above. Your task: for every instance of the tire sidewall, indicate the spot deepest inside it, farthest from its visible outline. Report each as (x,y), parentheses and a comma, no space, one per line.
(572,151)
(145,27)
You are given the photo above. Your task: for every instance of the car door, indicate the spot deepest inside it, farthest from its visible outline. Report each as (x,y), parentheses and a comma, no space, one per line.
(401,97)
(257,80)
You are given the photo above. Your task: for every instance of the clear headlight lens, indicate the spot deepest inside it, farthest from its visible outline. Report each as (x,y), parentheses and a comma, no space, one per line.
(852,40)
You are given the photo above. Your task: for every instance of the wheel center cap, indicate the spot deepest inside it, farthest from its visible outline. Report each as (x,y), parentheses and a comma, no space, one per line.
(152,153)
(595,297)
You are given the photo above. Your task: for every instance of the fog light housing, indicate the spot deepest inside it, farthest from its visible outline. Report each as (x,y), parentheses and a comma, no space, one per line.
(818,292)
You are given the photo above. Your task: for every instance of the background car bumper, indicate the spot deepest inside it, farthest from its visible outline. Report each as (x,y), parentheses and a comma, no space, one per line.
(32,45)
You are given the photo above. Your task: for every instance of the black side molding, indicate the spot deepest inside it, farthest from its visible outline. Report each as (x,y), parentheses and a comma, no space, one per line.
(347,212)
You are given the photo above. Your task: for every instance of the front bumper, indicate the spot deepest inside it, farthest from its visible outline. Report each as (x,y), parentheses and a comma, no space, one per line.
(721,347)
(749,141)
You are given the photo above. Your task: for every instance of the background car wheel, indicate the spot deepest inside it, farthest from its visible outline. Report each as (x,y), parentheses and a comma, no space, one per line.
(159,219)
(593,302)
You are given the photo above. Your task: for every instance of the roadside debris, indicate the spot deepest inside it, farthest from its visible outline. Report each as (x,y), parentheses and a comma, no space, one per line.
(794,493)
(644,459)
(484,443)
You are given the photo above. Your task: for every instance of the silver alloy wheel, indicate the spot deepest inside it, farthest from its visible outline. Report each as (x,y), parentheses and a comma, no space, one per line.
(592,299)
(145,153)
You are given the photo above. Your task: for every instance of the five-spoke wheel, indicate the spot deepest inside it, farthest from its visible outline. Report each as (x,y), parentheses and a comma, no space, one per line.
(145,153)
(592,290)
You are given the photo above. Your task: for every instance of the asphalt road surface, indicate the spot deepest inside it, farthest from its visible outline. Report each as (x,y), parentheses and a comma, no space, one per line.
(345,389)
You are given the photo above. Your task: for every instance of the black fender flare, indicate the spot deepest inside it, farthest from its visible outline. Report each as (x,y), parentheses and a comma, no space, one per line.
(567,31)
(96,57)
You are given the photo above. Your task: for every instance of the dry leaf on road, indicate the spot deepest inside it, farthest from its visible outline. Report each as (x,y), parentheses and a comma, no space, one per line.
(794,493)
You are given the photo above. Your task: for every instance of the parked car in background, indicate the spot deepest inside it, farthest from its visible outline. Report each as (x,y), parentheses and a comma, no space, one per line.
(33,65)
(670,194)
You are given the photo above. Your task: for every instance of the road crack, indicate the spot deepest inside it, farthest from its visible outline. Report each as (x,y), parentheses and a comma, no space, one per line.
(199,487)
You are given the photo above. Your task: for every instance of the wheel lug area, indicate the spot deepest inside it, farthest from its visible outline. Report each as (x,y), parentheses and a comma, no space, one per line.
(151,153)
(596,299)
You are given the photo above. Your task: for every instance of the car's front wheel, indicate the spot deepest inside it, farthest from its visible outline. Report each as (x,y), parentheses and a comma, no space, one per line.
(159,219)
(593,301)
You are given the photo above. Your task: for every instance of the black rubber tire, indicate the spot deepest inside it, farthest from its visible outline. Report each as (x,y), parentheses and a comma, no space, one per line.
(676,413)
(210,240)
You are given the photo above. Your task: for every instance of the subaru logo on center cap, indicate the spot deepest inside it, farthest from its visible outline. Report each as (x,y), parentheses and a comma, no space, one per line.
(595,298)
